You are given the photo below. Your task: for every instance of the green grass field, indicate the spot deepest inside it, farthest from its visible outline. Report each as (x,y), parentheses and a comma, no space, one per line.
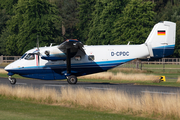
(15,109)
(170,70)
(160,68)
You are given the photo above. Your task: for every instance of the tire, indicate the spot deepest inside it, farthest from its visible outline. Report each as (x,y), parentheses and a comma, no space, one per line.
(13,81)
(72,79)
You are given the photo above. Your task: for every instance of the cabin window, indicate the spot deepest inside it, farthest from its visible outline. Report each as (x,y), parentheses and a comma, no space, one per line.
(77,57)
(30,56)
(23,55)
(91,57)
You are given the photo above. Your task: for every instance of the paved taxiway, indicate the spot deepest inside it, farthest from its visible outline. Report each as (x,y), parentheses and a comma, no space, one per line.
(128,88)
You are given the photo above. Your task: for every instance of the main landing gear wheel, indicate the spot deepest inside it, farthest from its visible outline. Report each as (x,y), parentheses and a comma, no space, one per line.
(72,79)
(12,80)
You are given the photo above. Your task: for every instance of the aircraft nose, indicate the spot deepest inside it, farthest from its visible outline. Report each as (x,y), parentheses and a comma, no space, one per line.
(8,67)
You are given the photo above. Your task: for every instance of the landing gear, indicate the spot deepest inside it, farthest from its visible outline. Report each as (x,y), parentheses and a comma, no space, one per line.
(12,80)
(72,79)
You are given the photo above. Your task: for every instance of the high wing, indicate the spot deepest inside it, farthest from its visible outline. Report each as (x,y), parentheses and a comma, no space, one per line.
(73,45)
(61,52)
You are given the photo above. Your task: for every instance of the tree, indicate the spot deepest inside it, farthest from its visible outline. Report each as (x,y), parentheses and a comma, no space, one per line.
(86,8)
(68,12)
(135,24)
(32,18)
(3,19)
(104,14)
(3,44)
(172,13)
(8,5)
(6,11)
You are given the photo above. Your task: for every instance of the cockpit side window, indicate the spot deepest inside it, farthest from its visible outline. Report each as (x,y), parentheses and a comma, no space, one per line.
(30,56)
(23,55)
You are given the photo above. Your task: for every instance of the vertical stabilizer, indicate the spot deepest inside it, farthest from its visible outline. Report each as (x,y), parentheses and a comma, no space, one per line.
(161,40)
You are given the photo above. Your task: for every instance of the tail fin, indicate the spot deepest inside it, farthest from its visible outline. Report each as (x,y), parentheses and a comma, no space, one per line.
(161,40)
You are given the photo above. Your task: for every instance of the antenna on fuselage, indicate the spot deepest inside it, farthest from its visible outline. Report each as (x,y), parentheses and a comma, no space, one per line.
(129,42)
(51,44)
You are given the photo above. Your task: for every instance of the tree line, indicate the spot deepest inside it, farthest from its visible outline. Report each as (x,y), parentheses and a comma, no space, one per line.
(93,22)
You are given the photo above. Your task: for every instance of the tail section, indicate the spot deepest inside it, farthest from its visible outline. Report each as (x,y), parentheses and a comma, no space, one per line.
(161,40)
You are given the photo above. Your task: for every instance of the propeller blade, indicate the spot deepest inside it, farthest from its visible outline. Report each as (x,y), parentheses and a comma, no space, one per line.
(37,43)
(37,58)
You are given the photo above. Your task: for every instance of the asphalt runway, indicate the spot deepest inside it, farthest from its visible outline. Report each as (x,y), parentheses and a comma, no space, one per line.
(127,88)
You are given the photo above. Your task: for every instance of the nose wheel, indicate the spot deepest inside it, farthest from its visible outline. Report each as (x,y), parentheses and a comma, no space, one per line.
(12,80)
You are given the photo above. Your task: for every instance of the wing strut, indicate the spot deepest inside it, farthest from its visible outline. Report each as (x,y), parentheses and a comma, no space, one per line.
(68,61)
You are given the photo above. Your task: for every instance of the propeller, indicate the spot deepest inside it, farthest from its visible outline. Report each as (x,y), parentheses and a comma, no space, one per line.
(37,43)
(38,53)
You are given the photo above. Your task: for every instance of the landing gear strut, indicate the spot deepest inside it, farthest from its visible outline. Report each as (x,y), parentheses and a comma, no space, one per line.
(72,79)
(12,80)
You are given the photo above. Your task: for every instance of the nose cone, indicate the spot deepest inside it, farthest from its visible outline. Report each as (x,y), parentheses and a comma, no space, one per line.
(8,67)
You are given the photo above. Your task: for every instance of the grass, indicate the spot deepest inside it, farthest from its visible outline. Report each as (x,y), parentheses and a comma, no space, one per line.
(4,64)
(11,109)
(121,76)
(161,66)
(18,101)
(169,84)
(156,68)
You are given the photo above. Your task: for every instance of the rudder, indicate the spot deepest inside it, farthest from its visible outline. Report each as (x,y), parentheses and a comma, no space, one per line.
(161,40)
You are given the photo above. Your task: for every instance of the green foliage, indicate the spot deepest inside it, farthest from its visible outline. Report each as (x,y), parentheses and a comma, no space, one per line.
(86,8)
(3,32)
(104,14)
(68,12)
(8,5)
(32,18)
(3,38)
(6,10)
(3,19)
(135,24)
(171,12)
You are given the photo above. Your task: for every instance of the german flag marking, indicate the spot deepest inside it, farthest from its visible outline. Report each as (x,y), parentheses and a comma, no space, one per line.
(161,32)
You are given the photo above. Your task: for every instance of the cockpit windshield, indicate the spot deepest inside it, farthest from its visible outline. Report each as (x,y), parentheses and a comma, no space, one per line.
(30,56)
(23,55)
